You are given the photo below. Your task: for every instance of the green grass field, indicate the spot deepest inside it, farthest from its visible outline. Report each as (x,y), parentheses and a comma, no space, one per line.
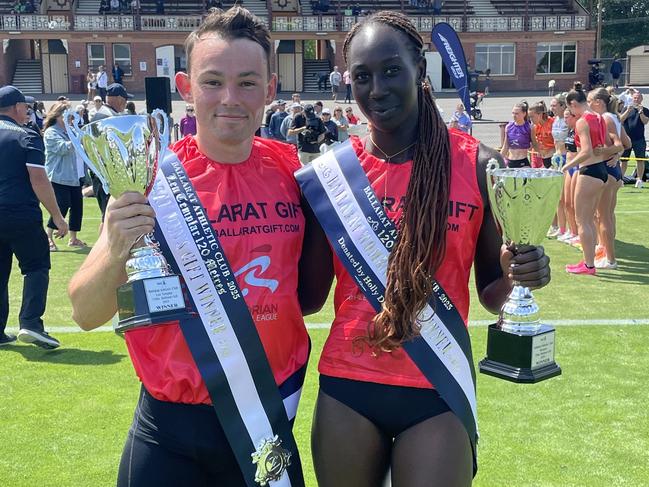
(65,413)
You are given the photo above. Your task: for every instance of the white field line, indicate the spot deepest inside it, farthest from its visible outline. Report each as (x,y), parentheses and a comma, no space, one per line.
(326,326)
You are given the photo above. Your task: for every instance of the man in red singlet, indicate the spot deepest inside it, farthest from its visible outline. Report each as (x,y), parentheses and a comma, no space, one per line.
(246,185)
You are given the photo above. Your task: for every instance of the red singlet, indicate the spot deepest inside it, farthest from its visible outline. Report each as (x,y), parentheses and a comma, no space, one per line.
(254,207)
(598,131)
(342,357)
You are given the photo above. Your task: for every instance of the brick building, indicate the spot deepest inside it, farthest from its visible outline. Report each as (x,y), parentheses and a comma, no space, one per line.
(524,43)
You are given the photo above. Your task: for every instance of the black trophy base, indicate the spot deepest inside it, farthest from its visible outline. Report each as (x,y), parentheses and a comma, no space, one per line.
(518,357)
(150,302)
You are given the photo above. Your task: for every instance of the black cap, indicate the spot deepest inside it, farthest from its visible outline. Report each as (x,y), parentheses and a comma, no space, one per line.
(117,90)
(30,99)
(10,96)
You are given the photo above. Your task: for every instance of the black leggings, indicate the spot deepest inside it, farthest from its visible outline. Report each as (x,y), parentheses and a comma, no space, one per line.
(597,171)
(171,444)
(68,198)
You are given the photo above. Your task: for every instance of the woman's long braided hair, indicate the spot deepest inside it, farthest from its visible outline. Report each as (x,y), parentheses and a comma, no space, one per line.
(421,245)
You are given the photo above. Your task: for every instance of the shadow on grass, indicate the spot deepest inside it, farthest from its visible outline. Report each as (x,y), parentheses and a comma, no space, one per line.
(633,264)
(67,356)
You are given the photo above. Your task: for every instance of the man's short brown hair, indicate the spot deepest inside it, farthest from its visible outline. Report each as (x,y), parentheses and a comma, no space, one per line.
(235,23)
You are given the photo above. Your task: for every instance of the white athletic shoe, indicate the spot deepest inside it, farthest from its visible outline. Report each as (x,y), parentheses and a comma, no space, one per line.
(605,264)
(639,184)
(553,232)
(565,237)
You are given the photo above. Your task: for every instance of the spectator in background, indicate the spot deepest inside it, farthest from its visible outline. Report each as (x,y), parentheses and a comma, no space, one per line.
(102,82)
(331,135)
(317,109)
(83,113)
(323,77)
(39,111)
(118,74)
(61,168)
(159,7)
(272,108)
(627,97)
(276,121)
(487,81)
(296,98)
(347,79)
(91,84)
(341,123)
(23,187)
(353,119)
(286,124)
(97,103)
(310,134)
(188,122)
(130,108)
(616,71)
(460,119)
(634,118)
(104,6)
(334,80)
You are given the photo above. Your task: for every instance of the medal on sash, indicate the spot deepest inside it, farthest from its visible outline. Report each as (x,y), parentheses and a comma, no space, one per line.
(362,236)
(223,339)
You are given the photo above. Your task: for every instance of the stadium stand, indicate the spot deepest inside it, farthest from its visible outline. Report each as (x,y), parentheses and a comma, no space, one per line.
(545,7)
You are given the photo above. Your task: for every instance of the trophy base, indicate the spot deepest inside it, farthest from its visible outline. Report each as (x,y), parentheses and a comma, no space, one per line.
(519,357)
(148,302)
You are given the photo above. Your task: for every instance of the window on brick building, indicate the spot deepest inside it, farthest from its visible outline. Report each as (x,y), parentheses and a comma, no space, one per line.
(499,58)
(556,58)
(96,56)
(122,55)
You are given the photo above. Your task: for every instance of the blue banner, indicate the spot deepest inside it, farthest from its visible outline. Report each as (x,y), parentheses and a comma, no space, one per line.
(450,48)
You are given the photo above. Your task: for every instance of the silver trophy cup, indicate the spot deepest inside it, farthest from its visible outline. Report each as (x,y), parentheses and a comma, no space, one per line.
(123,152)
(523,201)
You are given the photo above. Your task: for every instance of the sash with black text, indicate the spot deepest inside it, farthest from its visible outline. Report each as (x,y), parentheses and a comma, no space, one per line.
(362,235)
(222,336)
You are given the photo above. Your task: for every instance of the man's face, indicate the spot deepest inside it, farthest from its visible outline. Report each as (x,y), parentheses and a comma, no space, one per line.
(97,104)
(326,117)
(229,87)
(637,98)
(22,113)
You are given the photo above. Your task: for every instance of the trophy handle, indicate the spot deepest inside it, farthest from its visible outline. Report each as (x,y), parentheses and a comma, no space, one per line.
(162,122)
(72,129)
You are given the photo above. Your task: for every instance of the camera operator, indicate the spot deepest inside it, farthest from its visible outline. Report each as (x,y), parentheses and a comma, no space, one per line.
(634,118)
(310,133)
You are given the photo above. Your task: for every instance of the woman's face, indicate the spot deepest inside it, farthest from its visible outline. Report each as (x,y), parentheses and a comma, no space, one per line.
(595,104)
(571,120)
(555,107)
(518,115)
(535,117)
(385,77)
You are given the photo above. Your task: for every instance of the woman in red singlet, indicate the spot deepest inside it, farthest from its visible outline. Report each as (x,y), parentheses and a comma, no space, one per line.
(590,133)
(376,411)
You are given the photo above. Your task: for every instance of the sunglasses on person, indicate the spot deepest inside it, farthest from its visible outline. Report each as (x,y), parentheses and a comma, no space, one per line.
(190,110)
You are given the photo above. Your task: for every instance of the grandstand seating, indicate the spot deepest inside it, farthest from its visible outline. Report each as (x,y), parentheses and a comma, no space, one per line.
(541,7)
(411,7)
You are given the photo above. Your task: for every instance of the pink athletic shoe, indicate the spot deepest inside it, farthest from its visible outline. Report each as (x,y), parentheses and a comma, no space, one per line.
(581,269)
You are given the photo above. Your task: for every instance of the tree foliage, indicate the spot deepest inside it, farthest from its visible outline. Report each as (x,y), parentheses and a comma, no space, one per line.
(618,38)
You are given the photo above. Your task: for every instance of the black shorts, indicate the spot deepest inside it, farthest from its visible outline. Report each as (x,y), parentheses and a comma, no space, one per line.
(547,162)
(517,163)
(615,171)
(597,171)
(172,444)
(392,409)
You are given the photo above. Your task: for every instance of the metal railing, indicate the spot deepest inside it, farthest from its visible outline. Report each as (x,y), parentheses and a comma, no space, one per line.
(325,23)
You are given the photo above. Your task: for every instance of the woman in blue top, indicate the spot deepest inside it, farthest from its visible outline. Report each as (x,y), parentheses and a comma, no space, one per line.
(61,167)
